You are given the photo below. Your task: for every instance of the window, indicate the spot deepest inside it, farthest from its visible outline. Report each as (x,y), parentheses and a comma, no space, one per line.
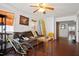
(8,28)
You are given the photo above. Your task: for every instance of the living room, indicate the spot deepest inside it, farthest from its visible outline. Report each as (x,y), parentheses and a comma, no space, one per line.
(32,22)
(33,25)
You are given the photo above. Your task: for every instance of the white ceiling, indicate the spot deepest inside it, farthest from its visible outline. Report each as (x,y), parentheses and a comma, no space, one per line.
(61,9)
(65,9)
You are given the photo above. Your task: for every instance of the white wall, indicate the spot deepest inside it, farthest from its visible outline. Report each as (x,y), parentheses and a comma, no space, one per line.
(78,28)
(17,26)
(17,13)
(50,24)
(77,25)
(67,18)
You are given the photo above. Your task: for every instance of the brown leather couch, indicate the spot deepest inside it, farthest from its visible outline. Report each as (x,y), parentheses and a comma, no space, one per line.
(28,34)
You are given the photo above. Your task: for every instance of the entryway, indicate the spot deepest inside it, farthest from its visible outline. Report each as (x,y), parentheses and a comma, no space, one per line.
(66,30)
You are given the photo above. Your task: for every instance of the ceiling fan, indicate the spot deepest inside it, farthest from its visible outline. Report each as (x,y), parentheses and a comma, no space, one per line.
(42,7)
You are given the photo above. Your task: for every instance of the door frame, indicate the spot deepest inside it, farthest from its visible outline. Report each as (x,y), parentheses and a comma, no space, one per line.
(57,30)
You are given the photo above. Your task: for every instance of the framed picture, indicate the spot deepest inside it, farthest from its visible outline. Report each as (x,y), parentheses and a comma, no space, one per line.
(24,20)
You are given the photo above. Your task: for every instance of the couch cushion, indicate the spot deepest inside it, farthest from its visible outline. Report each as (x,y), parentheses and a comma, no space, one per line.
(25,34)
(28,34)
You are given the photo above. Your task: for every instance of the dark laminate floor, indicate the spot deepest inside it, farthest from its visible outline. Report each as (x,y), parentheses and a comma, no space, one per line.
(63,47)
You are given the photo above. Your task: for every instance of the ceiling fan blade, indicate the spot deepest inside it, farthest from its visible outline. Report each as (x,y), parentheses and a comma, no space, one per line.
(33,6)
(35,10)
(49,8)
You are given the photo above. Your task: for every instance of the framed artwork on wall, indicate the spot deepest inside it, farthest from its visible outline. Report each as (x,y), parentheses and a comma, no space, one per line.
(24,20)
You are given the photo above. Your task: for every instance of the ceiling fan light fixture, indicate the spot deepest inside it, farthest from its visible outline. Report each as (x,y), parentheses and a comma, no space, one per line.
(41,10)
(42,7)
(44,4)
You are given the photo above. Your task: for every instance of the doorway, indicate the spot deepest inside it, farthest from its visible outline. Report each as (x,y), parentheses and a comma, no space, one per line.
(66,30)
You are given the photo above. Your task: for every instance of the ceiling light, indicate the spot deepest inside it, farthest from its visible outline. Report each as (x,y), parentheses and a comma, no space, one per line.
(41,10)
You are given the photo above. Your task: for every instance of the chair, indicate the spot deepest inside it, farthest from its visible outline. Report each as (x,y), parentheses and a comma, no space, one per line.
(38,34)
